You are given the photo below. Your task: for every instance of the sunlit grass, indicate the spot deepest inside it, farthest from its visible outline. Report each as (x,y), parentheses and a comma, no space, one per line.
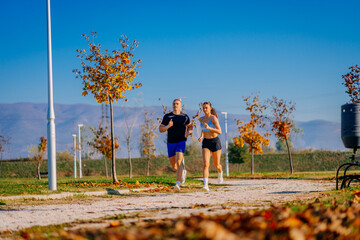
(26,186)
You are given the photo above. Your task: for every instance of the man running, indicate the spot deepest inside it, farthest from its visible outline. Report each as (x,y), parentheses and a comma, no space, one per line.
(178,126)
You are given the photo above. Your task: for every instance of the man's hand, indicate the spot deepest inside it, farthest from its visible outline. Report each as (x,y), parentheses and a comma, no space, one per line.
(171,123)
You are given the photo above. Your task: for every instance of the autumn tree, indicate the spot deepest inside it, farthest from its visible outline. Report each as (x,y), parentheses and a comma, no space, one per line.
(282,123)
(352,83)
(237,154)
(101,142)
(37,153)
(248,132)
(128,140)
(4,144)
(281,146)
(108,75)
(147,139)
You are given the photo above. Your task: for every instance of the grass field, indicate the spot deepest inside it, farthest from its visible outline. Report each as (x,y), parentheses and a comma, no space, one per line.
(317,161)
(26,186)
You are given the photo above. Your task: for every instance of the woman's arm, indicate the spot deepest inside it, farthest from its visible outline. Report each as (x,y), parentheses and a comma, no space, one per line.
(201,136)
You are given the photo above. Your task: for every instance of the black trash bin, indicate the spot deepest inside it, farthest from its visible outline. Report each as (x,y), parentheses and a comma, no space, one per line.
(350,125)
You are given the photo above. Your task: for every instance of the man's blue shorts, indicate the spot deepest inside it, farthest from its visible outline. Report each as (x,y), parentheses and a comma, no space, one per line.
(173,148)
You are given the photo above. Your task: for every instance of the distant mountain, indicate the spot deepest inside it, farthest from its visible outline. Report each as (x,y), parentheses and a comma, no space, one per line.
(25,123)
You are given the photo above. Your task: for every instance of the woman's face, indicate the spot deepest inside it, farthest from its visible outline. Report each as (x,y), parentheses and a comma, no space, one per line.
(206,108)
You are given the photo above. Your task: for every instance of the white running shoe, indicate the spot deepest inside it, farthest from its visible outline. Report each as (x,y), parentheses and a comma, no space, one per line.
(206,188)
(183,177)
(177,188)
(220,177)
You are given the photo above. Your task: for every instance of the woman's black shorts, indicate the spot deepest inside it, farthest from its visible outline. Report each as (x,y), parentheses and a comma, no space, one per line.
(213,144)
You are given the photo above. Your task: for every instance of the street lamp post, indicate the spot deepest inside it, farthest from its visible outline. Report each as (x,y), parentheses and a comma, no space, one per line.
(80,171)
(74,136)
(226,146)
(51,114)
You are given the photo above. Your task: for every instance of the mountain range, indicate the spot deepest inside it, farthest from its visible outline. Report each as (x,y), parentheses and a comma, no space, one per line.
(25,123)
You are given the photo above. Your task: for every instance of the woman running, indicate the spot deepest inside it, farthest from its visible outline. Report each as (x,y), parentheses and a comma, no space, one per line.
(210,142)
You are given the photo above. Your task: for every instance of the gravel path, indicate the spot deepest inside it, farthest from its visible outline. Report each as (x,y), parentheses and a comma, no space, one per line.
(243,193)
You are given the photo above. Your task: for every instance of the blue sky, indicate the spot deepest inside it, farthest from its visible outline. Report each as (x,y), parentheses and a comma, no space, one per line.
(214,51)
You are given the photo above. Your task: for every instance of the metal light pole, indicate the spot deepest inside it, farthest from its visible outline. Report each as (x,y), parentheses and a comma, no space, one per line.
(80,171)
(226,145)
(51,114)
(74,136)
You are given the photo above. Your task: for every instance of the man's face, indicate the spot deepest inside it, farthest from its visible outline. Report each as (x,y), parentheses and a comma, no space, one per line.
(176,105)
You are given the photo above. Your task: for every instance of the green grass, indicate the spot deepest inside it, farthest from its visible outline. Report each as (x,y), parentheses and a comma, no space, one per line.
(326,175)
(317,161)
(26,186)
(329,199)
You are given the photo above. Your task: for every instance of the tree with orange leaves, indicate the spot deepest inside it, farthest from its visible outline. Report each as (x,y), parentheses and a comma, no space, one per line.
(37,153)
(282,125)
(352,82)
(108,75)
(101,142)
(248,131)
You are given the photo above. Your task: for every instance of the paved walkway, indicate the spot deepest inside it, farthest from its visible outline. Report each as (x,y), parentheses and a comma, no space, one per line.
(242,193)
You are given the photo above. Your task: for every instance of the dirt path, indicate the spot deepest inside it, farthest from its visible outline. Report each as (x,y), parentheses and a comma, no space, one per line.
(239,194)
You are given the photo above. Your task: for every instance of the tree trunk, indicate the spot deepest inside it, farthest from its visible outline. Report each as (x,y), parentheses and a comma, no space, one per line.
(38,170)
(113,170)
(106,169)
(148,167)
(130,164)
(252,161)
(290,159)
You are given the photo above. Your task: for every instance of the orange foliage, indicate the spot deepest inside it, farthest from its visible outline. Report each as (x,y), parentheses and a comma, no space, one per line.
(247,131)
(282,124)
(42,145)
(352,81)
(108,75)
(102,141)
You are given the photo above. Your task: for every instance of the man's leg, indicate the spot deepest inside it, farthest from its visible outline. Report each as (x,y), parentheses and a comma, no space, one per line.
(178,159)
(183,177)
(173,162)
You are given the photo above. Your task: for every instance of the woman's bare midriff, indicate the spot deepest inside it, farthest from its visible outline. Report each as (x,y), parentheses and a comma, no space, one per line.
(209,135)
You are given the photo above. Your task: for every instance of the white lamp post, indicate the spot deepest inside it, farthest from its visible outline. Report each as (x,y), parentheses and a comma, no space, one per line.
(74,136)
(51,114)
(80,171)
(226,146)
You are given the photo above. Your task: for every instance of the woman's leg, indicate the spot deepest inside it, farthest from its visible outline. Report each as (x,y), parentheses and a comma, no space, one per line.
(216,157)
(206,162)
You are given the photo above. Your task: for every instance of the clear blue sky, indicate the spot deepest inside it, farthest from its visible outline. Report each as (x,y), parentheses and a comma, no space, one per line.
(202,50)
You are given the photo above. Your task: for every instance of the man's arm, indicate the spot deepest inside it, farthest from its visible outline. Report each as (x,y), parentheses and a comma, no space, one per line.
(189,129)
(163,128)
